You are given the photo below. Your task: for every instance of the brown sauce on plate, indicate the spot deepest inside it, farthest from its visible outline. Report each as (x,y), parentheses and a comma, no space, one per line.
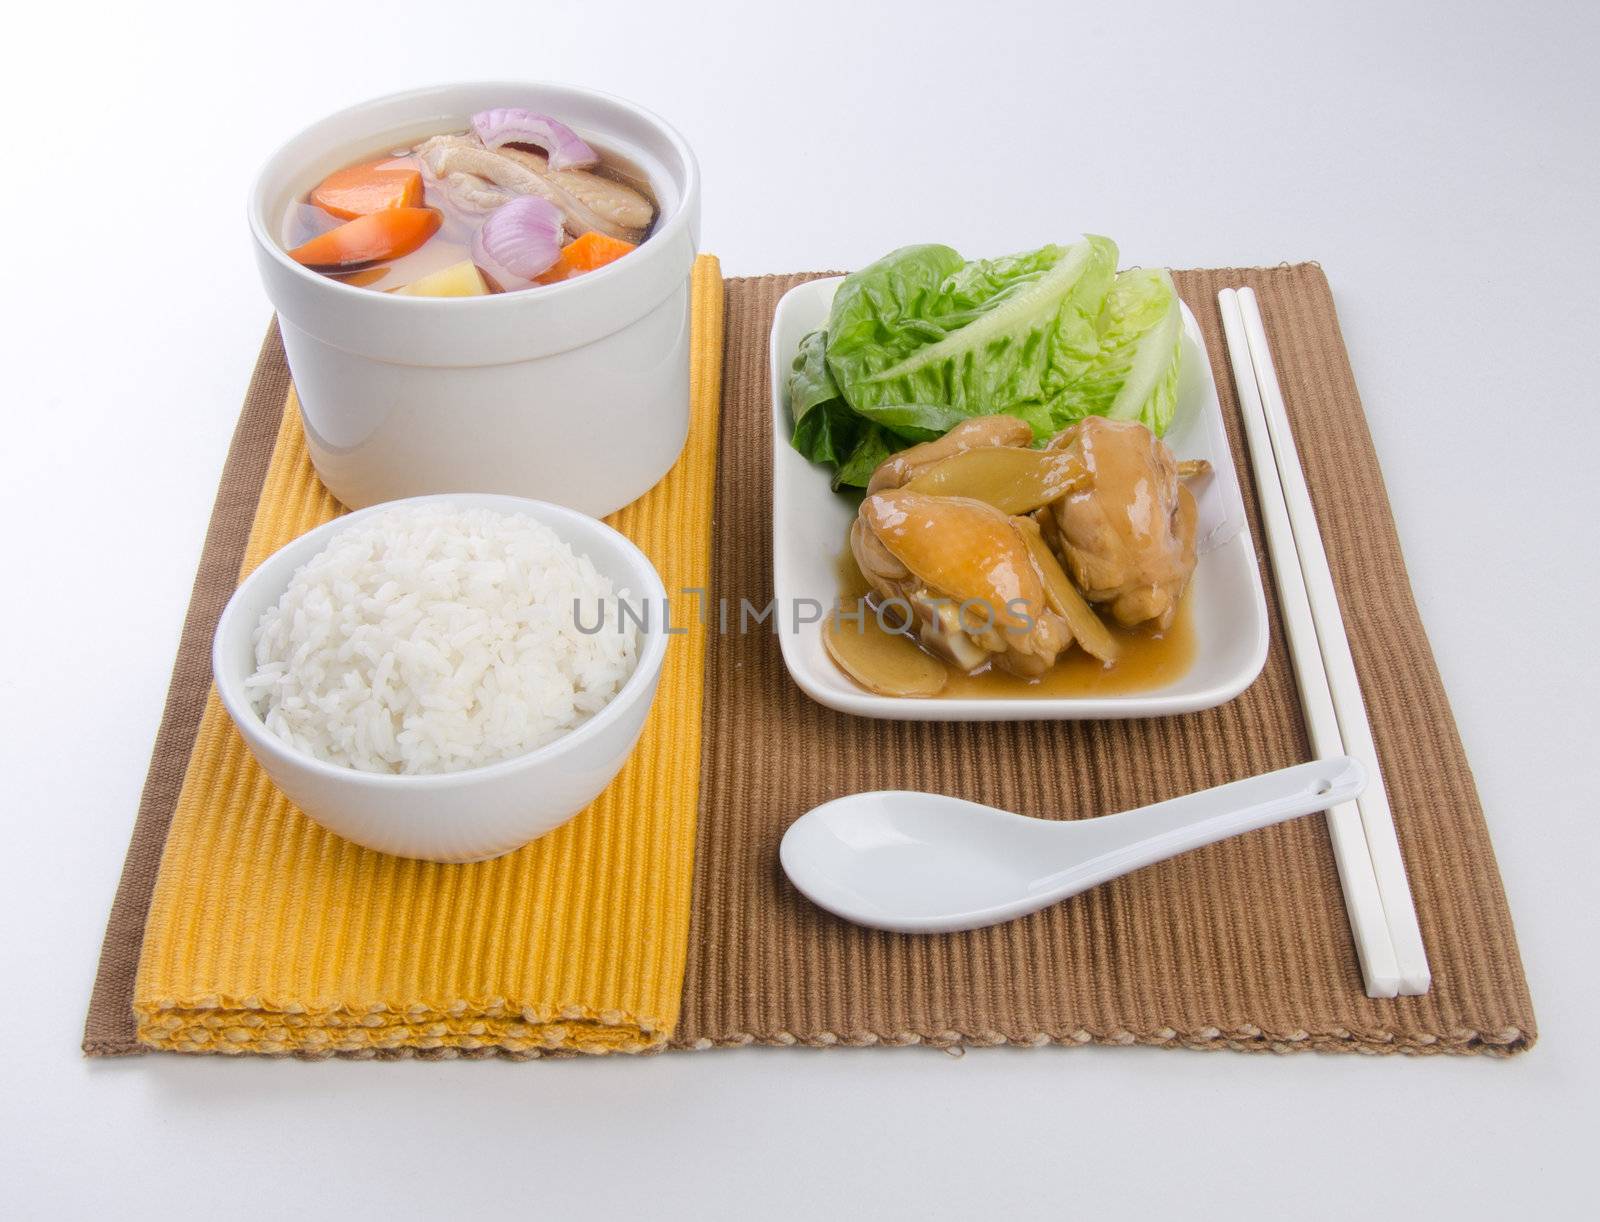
(1149,659)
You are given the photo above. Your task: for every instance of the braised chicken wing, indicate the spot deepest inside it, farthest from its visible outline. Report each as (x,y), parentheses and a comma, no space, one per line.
(1127,535)
(965,570)
(899,469)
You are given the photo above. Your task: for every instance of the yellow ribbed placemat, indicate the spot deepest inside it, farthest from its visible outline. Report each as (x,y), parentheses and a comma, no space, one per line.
(268,934)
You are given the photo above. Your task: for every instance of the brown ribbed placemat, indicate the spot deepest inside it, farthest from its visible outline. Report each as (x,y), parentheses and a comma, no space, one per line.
(1243,944)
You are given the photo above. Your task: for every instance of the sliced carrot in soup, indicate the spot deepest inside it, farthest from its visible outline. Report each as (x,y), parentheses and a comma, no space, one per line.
(583,254)
(373,238)
(365,189)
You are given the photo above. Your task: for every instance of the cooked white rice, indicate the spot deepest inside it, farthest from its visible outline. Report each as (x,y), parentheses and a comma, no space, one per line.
(433,638)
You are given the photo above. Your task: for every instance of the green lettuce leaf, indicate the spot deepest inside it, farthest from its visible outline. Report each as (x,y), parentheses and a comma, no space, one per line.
(921,340)
(825,429)
(1134,374)
(913,422)
(828,432)
(810,383)
(921,326)
(870,450)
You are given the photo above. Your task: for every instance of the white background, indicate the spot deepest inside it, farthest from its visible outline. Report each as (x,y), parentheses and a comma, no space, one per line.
(1439,160)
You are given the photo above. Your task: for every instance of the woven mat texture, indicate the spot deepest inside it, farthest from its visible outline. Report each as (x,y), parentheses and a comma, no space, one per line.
(267,934)
(1240,945)
(1243,944)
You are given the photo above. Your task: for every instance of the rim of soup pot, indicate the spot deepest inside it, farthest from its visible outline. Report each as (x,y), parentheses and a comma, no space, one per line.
(499,328)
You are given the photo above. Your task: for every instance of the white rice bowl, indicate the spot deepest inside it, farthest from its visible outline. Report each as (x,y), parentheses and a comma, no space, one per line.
(431,638)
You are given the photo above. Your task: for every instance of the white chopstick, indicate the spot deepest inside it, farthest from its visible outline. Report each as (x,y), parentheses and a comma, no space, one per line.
(1362,899)
(1377,820)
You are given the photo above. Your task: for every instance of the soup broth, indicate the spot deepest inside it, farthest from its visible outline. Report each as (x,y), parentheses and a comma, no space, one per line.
(451,244)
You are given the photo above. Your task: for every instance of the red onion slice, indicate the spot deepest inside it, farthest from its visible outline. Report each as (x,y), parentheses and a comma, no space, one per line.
(519,239)
(513,125)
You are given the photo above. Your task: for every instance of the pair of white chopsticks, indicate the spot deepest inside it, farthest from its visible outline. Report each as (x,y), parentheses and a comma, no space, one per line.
(1383,917)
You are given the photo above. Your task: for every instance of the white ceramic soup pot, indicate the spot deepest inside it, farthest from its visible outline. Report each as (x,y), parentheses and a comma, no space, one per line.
(476,813)
(576,393)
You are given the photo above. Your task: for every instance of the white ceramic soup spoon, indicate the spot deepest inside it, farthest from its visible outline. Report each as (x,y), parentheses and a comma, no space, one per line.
(926,863)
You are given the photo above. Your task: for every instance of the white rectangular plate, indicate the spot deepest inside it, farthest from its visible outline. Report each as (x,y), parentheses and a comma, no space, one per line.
(810,524)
